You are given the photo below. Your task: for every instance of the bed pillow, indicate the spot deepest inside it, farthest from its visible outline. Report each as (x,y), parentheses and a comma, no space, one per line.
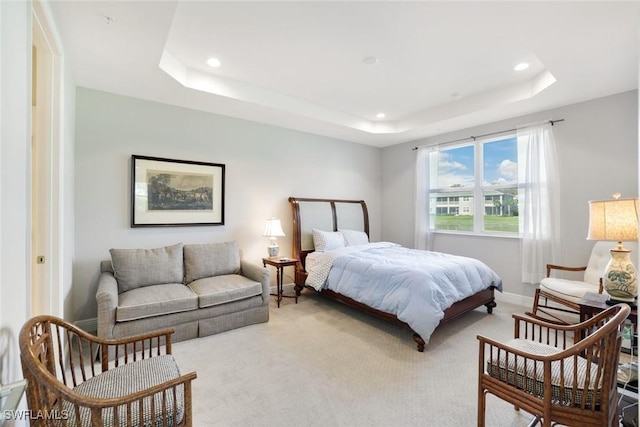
(134,268)
(354,237)
(327,240)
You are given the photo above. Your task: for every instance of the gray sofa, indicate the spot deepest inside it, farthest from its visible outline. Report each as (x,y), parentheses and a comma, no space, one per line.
(198,290)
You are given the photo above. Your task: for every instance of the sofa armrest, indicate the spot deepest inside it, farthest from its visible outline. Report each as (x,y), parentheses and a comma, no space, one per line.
(107,300)
(259,274)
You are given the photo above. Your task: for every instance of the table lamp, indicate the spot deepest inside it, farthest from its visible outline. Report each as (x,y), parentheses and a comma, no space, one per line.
(616,220)
(273,230)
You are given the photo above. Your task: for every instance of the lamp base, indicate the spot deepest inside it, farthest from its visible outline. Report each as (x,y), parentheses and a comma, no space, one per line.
(621,277)
(273,251)
(273,247)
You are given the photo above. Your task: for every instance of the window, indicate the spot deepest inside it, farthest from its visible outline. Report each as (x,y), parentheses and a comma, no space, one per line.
(474,186)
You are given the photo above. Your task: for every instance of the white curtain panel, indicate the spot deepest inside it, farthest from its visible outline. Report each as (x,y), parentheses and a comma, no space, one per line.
(539,201)
(423,229)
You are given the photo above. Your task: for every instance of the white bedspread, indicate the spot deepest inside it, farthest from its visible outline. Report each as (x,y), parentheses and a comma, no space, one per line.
(417,286)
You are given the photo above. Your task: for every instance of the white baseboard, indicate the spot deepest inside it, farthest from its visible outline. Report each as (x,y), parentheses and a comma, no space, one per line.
(88,325)
(514,299)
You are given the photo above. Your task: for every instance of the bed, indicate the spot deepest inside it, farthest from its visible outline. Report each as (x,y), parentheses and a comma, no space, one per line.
(346,274)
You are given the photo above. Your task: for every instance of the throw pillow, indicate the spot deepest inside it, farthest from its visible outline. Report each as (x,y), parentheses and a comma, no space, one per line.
(212,259)
(134,268)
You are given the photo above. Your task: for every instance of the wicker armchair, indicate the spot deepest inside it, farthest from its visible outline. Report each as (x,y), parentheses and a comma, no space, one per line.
(69,386)
(564,374)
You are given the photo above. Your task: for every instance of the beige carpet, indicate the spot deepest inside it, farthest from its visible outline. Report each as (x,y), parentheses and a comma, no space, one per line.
(318,363)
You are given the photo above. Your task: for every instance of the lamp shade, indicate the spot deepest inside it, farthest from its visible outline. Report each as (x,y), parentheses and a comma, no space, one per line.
(615,220)
(273,228)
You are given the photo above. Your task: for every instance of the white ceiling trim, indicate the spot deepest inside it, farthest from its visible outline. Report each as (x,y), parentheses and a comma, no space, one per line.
(246,92)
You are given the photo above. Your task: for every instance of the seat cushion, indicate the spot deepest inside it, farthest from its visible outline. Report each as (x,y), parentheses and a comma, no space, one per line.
(222,289)
(134,268)
(132,378)
(570,290)
(155,300)
(504,368)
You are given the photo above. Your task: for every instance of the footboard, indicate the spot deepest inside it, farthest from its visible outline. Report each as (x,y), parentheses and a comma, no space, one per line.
(484,297)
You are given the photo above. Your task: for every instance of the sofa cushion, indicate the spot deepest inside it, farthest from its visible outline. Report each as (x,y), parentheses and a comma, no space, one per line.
(134,268)
(222,289)
(212,259)
(155,300)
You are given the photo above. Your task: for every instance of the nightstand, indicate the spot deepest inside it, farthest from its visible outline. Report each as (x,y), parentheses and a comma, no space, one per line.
(280,264)
(589,307)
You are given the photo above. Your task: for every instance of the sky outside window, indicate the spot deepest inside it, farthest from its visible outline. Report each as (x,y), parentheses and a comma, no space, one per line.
(500,165)
(456,167)
(500,162)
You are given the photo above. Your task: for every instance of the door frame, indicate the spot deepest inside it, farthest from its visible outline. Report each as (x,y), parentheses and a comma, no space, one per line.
(47,298)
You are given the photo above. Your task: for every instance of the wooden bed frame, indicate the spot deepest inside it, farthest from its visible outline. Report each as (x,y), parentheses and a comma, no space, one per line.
(331,214)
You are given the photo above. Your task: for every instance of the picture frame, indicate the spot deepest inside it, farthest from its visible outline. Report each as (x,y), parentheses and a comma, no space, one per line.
(171,193)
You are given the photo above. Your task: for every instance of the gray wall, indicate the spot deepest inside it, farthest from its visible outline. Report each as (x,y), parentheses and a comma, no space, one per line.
(264,166)
(597,148)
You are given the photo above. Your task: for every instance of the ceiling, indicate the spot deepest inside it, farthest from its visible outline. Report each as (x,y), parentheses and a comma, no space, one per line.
(329,67)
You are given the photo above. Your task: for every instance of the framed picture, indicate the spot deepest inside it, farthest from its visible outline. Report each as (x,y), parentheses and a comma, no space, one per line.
(166,192)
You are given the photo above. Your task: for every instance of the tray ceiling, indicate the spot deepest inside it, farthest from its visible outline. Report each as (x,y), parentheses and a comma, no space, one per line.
(331,68)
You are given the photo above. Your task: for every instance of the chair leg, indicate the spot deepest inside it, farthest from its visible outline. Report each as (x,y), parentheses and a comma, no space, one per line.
(543,311)
(482,404)
(536,301)
(534,421)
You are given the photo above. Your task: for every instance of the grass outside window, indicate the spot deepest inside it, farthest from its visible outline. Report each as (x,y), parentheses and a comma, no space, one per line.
(499,223)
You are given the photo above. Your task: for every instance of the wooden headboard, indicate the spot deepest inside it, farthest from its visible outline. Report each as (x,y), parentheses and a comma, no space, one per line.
(326,215)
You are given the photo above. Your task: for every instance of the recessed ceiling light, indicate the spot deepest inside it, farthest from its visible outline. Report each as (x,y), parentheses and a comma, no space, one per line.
(521,66)
(213,62)
(370,60)
(381,115)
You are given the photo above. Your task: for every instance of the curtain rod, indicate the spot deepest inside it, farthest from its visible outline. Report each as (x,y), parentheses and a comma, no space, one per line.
(486,134)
